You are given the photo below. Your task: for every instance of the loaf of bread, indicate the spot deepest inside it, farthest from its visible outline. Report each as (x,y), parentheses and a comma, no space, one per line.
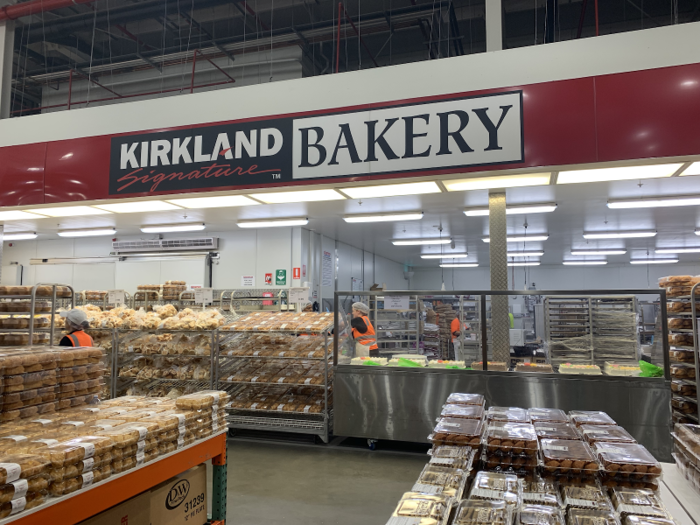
(77,449)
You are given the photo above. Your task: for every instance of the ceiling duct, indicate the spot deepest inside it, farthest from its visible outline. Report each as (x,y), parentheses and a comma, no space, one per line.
(165,245)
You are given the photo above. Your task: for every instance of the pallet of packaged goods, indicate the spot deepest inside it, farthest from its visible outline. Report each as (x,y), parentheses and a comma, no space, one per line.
(681,340)
(276,365)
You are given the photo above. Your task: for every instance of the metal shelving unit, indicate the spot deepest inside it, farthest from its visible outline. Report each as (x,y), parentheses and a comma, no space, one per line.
(568,322)
(275,420)
(254,300)
(398,331)
(692,315)
(614,329)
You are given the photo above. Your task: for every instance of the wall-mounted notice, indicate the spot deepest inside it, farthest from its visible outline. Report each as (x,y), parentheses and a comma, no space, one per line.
(356,284)
(195,286)
(115,296)
(268,278)
(203,296)
(396,302)
(296,273)
(303,270)
(327,269)
(280,277)
(247,280)
(298,295)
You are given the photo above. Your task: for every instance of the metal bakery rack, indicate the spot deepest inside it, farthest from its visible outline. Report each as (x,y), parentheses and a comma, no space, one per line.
(398,331)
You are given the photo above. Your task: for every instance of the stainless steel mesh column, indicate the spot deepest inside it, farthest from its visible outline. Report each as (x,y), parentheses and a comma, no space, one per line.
(498,253)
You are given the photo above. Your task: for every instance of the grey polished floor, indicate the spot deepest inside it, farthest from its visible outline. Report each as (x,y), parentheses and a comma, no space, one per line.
(292,484)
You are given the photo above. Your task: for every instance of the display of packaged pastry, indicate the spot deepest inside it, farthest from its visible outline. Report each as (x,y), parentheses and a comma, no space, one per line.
(465,399)
(204,399)
(77,449)
(550,415)
(508,414)
(556,431)
(684,405)
(637,501)
(463,411)
(429,509)
(588,496)
(567,457)
(681,339)
(482,512)
(682,371)
(609,433)
(511,439)
(435,479)
(541,492)
(580,369)
(497,486)
(493,366)
(21,466)
(459,432)
(539,515)
(587,417)
(586,516)
(682,388)
(20,488)
(29,501)
(626,460)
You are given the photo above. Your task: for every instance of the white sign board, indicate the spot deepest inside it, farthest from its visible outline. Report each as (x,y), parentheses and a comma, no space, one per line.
(247,280)
(115,296)
(397,302)
(204,296)
(298,295)
(327,269)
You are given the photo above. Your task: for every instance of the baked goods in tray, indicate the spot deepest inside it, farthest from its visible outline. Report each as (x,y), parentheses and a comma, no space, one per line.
(541,492)
(586,516)
(441,480)
(465,399)
(430,509)
(682,371)
(685,406)
(677,280)
(77,449)
(567,457)
(681,339)
(21,466)
(539,515)
(547,430)
(493,366)
(553,415)
(31,500)
(637,501)
(681,355)
(588,496)
(542,368)
(204,399)
(512,439)
(451,456)
(683,389)
(497,486)
(627,460)
(459,432)
(586,417)
(480,512)
(20,488)
(610,433)
(508,414)
(463,411)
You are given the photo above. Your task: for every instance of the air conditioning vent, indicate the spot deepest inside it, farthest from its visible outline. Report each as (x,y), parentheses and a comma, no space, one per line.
(166,245)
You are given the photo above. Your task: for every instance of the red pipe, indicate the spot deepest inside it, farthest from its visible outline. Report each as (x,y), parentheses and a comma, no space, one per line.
(337,49)
(597,33)
(13,12)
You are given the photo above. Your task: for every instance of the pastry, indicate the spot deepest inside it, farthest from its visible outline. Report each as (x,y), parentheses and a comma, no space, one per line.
(478,512)
(539,515)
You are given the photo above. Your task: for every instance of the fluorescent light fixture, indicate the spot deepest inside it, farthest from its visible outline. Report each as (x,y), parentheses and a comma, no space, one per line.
(693,169)
(166,228)
(273,223)
(391,190)
(619,234)
(653,261)
(459,265)
(536,263)
(522,238)
(598,252)
(443,255)
(504,181)
(18,216)
(385,217)
(137,206)
(584,263)
(298,196)
(678,250)
(526,254)
(223,201)
(19,236)
(518,209)
(91,232)
(620,173)
(697,232)
(69,211)
(656,202)
(419,242)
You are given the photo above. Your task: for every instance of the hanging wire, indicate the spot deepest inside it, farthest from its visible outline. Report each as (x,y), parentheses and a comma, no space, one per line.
(359,32)
(165,18)
(187,51)
(109,46)
(535,10)
(92,48)
(272,18)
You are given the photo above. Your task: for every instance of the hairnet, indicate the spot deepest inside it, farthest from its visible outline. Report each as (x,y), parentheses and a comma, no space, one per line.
(362,307)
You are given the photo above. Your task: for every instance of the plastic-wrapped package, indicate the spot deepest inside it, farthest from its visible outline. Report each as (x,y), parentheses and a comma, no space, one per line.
(497,486)
(585,417)
(609,433)
(627,460)
(459,432)
(508,414)
(480,512)
(541,492)
(511,439)
(556,431)
(589,496)
(31,500)
(431,509)
(465,399)
(637,501)
(20,488)
(539,515)
(463,411)
(204,399)
(551,415)
(453,457)
(567,457)
(77,449)
(441,480)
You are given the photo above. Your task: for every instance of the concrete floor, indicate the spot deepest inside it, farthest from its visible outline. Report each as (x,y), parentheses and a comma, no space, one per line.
(295,484)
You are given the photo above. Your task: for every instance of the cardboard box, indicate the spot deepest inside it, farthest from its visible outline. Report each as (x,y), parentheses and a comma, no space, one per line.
(134,511)
(181,500)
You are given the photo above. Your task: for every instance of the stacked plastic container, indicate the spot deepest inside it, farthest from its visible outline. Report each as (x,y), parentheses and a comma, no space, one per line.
(537,466)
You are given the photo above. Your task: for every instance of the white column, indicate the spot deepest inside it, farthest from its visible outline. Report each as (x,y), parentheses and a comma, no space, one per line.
(494,25)
(7,42)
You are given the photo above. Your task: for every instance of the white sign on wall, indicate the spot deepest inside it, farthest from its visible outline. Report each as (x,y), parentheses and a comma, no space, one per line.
(203,296)
(298,295)
(247,280)
(397,302)
(327,269)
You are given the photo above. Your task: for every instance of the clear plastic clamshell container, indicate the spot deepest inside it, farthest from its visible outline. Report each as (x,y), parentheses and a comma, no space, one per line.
(609,433)
(425,509)
(435,479)
(541,492)
(627,460)
(539,515)
(586,516)
(482,512)
(465,399)
(508,414)
(588,496)
(497,486)
(547,430)
(641,502)
(585,417)
(513,439)
(458,432)
(552,415)
(567,457)
(463,411)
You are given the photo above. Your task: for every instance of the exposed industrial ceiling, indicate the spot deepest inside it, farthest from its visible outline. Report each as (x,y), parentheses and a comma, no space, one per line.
(104,38)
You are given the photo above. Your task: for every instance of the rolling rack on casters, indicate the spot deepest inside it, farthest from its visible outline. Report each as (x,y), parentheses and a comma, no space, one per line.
(279,380)
(398,330)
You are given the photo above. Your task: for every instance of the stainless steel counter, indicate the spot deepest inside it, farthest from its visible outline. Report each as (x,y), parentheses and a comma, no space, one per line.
(402,403)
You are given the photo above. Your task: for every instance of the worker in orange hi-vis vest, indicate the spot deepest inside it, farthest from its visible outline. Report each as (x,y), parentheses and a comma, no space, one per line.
(456,328)
(76,323)
(363,332)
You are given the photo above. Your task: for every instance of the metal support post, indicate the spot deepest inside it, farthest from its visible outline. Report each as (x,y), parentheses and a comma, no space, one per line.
(337,44)
(550,21)
(494,25)
(7,42)
(219,478)
(498,253)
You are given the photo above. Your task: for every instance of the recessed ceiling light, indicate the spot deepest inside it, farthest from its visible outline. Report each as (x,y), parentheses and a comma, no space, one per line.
(524,263)
(656,202)
(598,252)
(620,173)
(443,255)
(678,250)
(69,211)
(391,190)
(653,261)
(584,263)
(459,265)
(504,181)
(18,216)
(137,206)
(298,196)
(90,232)
(518,209)
(522,238)
(384,217)
(619,234)
(419,242)
(19,236)
(526,254)
(697,232)
(166,228)
(693,169)
(223,201)
(273,223)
